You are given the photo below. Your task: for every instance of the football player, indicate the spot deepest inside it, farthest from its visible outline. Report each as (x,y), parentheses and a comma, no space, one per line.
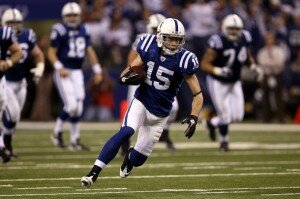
(70,43)
(16,84)
(166,64)
(226,54)
(153,22)
(8,42)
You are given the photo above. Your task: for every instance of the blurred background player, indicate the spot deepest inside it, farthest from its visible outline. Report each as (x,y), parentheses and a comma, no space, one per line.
(152,24)
(223,60)
(8,42)
(16,84)
(167,65)
(70,44)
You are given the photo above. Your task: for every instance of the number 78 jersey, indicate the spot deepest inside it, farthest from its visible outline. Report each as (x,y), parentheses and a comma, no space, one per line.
(165,74)
(71,44)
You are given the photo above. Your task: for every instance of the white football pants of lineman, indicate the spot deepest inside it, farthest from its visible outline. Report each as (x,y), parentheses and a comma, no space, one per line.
(148,126)
(175,106)
(71,91)
(228,100)
(2,101)
(16,95)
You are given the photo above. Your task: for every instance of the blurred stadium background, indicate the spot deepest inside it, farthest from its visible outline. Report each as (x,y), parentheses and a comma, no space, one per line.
(114,24)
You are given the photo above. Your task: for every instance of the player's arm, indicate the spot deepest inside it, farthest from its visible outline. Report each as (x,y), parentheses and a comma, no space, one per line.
(207,61)
(16,55)
(253,66)
(131,56)
(52,56)
(197,103)
(39,59)
(127,76)
(92,57)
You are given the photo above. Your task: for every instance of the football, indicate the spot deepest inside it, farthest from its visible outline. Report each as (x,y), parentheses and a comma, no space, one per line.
(139,71)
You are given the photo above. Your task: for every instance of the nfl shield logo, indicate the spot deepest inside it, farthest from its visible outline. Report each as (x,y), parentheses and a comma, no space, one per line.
(162,58)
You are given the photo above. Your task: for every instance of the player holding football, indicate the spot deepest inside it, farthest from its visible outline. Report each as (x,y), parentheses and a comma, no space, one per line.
(153,22)
(8,42)
(166,64)
(16,85)
(70,43)
(226,54)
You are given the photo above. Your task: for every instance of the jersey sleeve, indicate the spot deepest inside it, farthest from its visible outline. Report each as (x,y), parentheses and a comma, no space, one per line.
(248,37)
(8,36)
(189,63)
(144,44)
(31,39)
(56,35)
(87,35)
(215,42)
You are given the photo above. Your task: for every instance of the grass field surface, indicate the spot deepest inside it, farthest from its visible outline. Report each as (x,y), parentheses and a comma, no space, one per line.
(264,162)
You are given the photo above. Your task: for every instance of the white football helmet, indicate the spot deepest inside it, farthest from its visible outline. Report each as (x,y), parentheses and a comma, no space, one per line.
(170,36)
(232,21)
(70,9)
(153,22)
(12,17)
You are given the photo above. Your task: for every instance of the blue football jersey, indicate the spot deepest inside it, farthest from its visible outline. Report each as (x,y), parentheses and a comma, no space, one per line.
(71,44)
(27,40)
(230,54)
(165,74)
(7,38)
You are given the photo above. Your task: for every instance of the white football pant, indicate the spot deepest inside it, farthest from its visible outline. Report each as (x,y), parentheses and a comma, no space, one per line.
(71,91)
(2,95)
(228,100)
(148,126)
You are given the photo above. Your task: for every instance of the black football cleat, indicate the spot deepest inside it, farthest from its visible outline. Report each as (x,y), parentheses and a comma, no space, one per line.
(78,146)
(91,178)
(5,157)
(58,140)
(127,166)
(211,130)
(224,147)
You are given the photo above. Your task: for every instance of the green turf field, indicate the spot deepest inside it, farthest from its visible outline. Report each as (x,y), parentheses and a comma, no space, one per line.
(261,164)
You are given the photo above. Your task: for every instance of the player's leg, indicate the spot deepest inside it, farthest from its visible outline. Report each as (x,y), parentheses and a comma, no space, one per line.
(133,119)
(11,114)
(237,108)
(66,93)
(148,136)
(165,134)
(130,96)
(78,84)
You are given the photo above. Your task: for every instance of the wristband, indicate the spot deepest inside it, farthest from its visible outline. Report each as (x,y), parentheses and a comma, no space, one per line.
(9,62)
(97,68)
(58,65)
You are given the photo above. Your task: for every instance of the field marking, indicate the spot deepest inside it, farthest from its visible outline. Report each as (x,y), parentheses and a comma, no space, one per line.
(97,126)
(6,185)
(254,168)
(196,165)
(197,191)
(280,194)
(103,189)
(157,176)
(41,188)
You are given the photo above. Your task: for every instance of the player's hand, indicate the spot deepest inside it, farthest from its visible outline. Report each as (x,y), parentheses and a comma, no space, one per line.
(130,78)
(192,122)
(64,72)
(4,65)
(259,72)
(98,77)
(226,72)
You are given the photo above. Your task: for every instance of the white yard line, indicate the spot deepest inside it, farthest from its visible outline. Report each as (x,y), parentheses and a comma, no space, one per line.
(96,126)
(280,194)
(41,188)
(103,189)
(254,168)
(6,185)
(159,176)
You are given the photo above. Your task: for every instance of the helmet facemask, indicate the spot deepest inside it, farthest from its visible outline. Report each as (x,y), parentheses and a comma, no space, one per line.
(233,33)
(171,44)
(72,20)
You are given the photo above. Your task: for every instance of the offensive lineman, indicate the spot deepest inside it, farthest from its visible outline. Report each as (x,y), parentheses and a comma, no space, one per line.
(226,54)
(153,22)
(16,84)
(8,42)
(167,65)
(70,43)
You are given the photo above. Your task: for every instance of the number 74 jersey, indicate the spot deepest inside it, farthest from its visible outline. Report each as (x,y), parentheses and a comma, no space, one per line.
(71,44)
(165,74)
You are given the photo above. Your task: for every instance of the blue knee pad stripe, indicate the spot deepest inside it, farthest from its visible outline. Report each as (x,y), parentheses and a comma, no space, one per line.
(7,123)
(74,119)
(136,158)
(63,115)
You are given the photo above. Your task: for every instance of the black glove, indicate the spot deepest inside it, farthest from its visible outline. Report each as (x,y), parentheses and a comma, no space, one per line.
(192,121)
(130,78)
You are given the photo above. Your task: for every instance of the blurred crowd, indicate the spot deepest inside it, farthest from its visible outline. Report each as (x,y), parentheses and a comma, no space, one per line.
(114,24)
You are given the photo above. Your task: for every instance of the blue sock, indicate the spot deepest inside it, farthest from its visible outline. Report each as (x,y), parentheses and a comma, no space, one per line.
(112,146)
(7,123)
(136,158)
(63,115)
(223,129)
